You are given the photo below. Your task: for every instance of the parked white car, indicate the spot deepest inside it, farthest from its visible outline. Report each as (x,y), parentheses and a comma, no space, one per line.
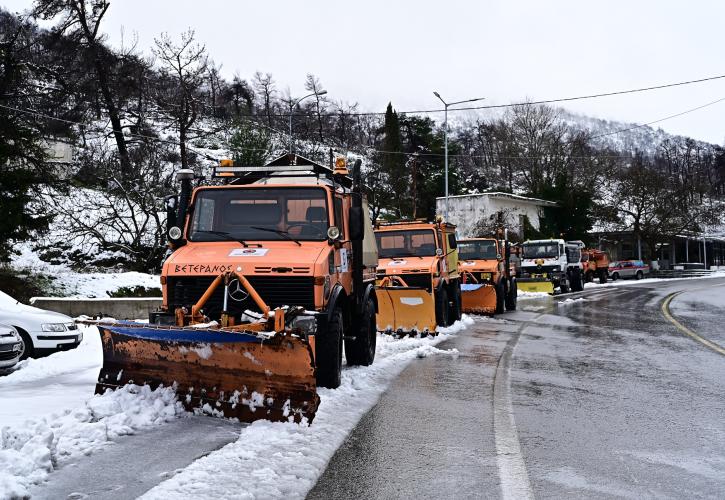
(11,346)
(41,331)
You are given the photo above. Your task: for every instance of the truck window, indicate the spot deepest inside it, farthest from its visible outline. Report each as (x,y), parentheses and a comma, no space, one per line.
(452,241)
(260,214)
(477,250)
(540,250)
(418,243)
(338,215)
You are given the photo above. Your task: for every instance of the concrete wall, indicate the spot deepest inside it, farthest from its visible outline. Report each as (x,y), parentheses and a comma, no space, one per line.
(466,211)
(127,308)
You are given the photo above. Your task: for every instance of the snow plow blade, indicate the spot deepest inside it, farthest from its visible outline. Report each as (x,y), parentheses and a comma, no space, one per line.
(478,299)
(535,286)
(223,373)
(405,310)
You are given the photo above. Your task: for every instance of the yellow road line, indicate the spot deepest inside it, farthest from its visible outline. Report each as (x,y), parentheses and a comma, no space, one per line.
(707,343)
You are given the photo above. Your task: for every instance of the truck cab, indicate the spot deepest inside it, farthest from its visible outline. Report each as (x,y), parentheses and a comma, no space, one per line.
(553,260)
(423,254)
(483,261)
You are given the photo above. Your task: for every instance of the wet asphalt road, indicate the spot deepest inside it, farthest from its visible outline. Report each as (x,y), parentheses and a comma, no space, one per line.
(595,398)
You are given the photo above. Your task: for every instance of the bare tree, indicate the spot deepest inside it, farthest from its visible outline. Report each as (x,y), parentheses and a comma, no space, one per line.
(313,85)
(186,64)
(82,19)
(265,88)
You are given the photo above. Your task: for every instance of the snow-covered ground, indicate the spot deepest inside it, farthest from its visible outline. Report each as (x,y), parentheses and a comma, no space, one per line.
(49,415)
(71,283)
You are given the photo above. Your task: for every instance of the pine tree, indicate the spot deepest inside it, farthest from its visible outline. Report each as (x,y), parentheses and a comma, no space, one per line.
(393,163)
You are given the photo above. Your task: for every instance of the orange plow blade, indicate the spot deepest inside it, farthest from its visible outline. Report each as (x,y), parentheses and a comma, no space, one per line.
(241,375)
(478,299)
(405,310)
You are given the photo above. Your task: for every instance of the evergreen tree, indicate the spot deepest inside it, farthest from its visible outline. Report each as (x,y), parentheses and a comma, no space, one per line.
(393,163)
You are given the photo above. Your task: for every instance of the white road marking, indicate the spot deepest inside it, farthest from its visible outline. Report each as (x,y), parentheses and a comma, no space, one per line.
(515,482)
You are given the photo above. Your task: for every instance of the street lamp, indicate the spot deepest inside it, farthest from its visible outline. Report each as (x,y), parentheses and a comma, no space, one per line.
(292,105)
(445,134)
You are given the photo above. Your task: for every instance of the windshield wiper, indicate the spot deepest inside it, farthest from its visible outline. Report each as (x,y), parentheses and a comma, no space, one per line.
(278,231)
(224,235)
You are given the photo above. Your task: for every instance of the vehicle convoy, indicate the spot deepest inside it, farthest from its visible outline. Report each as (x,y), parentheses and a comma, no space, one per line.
(272,274)
(628,269)
(595,263)
(418,285)
(550,264)
(42,332)
(487,284)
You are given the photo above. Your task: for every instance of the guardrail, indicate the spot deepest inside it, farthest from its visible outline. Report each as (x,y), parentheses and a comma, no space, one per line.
(679,273)
(126,308)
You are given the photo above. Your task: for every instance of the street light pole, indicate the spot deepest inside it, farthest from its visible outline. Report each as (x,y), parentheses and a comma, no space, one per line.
(292,105)
(445,140)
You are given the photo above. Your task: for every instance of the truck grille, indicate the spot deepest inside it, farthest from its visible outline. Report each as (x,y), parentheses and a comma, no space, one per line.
(420,280)
(276,291)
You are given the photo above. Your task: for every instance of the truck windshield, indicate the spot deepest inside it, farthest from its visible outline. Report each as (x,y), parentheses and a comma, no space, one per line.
(477,250)
(406,243)
(540,250)
(263,214)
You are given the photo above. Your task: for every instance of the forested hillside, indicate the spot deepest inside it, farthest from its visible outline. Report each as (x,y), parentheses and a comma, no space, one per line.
(134,117)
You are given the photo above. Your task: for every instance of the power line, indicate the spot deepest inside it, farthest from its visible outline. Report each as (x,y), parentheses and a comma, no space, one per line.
(524,103)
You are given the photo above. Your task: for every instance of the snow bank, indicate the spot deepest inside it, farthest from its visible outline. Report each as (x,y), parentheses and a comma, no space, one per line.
(29,452)
(74,284)
(284,460)
(520,294)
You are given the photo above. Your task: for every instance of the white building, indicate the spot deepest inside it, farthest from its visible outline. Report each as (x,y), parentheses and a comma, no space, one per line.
(467,210)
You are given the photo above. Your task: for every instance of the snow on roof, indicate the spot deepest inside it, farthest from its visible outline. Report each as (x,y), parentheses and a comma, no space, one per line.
(498,194)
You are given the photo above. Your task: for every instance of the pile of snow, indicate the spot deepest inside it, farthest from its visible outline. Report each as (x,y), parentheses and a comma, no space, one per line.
(520,294)
(569,302)
(29,452)
(284,460)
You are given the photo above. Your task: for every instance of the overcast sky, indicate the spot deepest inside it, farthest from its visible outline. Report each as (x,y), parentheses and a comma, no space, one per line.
(375,51)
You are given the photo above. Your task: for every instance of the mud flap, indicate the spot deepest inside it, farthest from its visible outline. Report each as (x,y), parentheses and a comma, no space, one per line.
(478,298)
(545,286)
(231,374)
(405,310)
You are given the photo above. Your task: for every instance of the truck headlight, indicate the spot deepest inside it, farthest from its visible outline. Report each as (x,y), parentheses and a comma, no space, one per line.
(52,327)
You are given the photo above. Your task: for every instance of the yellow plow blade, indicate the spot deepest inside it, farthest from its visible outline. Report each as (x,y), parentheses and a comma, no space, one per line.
(535,286)
(405,310)
(478,299)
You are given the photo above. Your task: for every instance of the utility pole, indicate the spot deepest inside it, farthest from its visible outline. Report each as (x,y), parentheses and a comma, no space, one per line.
(445,136)
(414,167)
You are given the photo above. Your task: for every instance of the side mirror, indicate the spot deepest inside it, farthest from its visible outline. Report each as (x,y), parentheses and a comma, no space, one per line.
(499,256)
(172,203)
(356,224)
(439,252)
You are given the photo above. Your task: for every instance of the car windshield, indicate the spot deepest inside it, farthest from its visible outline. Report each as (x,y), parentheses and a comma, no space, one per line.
(267,214)
(477,250)
(540,250)
(406,243)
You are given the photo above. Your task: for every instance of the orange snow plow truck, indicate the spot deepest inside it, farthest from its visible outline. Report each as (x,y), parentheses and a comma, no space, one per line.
(271,276)
(418,286)
(488,286)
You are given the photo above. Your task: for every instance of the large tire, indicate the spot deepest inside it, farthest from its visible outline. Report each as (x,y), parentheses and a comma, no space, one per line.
(563,288)
(441,304)
(500,297)
(639,275)
(589,277)
(512,296)
(328,351)
(28,351)
(603,276)
(455,311)
(576,281)
(361,351)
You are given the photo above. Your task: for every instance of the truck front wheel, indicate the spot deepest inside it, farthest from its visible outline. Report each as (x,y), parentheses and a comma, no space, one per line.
(328,351)
(500,297)
(512,296)
(441,305)
(361,351)
(455,312)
